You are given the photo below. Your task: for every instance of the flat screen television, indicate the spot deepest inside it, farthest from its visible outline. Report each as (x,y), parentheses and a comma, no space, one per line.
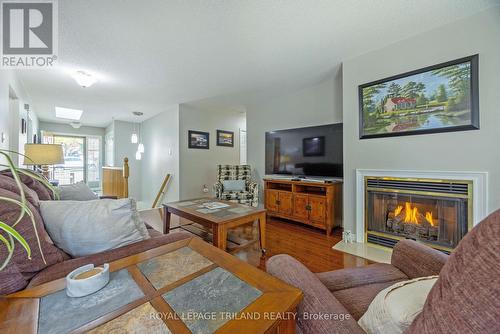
(310,151)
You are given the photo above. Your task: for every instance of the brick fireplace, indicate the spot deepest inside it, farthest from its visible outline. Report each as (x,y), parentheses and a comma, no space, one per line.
(437,212)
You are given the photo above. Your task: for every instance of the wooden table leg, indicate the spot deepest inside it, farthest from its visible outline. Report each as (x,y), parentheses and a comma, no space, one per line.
(262,232)
(219,236)
(288,325)
(166,220)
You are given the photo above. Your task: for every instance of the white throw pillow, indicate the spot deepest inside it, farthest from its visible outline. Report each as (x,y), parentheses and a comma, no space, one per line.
(89,227)
(234,185)
(394,308)
(79,191)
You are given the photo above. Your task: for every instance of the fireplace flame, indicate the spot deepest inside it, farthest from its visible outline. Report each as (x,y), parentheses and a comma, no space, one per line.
(398,210)
(428,217)
(411,214)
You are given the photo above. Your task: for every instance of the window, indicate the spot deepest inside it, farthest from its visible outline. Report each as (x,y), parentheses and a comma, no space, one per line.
(73,169)
(82,159)
(93,162)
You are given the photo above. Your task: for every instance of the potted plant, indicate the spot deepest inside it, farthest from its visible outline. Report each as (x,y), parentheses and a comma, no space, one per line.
(11,236)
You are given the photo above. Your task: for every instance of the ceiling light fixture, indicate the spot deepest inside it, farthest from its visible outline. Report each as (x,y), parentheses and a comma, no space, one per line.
(138,155)
(84,79)
(134,139)
(68,113)
(140,147)
(75,125)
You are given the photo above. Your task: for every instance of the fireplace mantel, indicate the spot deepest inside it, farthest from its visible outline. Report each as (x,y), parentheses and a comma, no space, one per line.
(479,181)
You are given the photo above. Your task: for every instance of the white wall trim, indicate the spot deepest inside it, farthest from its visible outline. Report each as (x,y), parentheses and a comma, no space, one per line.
(479,188)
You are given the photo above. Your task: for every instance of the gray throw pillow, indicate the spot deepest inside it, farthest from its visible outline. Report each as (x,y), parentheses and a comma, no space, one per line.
(83,228)
(76,192)
(234,185)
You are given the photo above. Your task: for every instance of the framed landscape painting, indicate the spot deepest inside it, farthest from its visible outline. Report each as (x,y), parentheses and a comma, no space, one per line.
(437,98)
(198,139)
(225,138)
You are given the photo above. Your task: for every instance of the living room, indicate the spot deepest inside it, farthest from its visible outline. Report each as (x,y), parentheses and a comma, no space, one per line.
(296,167)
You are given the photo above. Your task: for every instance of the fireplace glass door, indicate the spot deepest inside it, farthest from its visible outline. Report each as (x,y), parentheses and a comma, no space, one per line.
(440,221)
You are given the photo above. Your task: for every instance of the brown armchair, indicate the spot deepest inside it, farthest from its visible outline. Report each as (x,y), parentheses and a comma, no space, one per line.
(462,300)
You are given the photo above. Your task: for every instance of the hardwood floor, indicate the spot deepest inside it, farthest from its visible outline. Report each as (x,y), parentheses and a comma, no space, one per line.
(308,245)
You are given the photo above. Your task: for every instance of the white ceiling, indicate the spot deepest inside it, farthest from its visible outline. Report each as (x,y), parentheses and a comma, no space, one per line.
(152,54)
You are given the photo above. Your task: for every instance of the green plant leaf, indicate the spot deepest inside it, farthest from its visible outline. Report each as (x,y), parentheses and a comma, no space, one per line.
(33,223)
(28,211)
(38,177)
(10,248)
(41,179)
(20,154)
(16,236)
(9,254)
(11,232)
(24,208)
(16,177)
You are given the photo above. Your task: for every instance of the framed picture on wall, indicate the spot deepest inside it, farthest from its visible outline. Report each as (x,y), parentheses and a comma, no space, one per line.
(198,139)
(438,98)
(225,138)
(23,126)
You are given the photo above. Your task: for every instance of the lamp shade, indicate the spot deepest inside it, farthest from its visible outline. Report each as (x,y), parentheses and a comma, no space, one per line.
(43,154)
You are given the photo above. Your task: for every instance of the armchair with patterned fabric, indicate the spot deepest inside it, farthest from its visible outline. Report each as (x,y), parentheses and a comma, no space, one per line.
(248,194)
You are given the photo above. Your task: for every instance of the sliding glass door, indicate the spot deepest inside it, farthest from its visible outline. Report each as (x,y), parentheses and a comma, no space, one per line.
(73,170)
(82,159)
(93,170)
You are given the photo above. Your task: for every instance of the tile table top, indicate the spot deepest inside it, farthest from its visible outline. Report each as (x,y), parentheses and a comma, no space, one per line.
(168,268)
(62,314)
(139,320)
(164,290)
(217,292)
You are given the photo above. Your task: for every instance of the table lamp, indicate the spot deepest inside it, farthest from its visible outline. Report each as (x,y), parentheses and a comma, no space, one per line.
(43,155)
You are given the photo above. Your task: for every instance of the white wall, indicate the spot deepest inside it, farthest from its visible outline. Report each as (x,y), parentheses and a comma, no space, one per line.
(10,122)
(161,155)
(454,151)
(315,105)
(198,166)
(7,78)
(18,139)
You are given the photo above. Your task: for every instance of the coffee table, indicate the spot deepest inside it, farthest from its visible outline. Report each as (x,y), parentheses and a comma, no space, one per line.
(219,220)
(184,287)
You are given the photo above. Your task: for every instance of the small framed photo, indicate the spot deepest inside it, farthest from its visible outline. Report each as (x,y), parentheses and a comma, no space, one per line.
(198,139)
(225,138)
(23,126)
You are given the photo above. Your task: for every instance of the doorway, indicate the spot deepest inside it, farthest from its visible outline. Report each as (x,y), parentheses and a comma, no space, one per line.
(82,159)
(73,168)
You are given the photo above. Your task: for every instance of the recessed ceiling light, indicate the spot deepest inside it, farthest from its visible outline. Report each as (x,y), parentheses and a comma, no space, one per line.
(68,113)
(84,79)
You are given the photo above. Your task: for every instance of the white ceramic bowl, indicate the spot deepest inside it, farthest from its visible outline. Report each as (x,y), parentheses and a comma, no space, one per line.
(86,286)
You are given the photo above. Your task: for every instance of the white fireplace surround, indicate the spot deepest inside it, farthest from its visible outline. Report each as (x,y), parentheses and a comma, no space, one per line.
(479,190)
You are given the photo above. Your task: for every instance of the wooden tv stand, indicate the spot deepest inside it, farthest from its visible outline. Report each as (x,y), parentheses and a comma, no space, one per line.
(313,203)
